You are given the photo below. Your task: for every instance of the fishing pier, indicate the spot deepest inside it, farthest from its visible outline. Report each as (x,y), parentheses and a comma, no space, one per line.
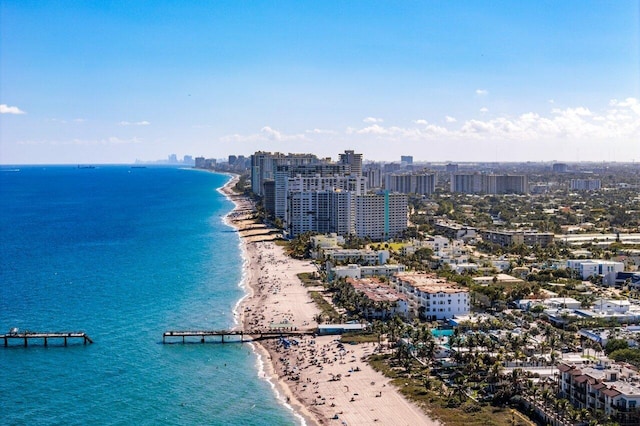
(228,336)
(29,336)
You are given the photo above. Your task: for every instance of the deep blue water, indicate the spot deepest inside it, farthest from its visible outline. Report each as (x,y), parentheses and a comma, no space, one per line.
(123,254)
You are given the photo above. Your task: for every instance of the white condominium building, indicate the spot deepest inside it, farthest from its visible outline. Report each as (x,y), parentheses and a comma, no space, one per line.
(329,211)
(414,183)
(432,297)
(381,216)
(585,184)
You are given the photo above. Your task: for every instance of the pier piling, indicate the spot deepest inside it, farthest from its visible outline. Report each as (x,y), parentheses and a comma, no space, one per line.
(27,336)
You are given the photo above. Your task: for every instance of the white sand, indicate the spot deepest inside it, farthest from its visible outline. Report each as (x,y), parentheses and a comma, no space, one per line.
(305,374)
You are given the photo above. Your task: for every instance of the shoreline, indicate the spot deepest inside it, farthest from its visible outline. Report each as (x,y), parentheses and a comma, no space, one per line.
(320,380)
(265,367)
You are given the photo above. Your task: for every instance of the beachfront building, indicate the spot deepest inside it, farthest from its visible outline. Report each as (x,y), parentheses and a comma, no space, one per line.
(380,300)
(329,211)
(312,177)
(381,216)
(331,241)
(588,268)
(359,256)
(360,271)
(264,166)
(611,388)
(432,297)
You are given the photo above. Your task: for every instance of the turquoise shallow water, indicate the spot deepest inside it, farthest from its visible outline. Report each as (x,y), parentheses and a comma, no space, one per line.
(123,254)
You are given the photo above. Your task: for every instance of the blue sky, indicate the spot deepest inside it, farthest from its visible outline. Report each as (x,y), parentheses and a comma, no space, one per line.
(116,81)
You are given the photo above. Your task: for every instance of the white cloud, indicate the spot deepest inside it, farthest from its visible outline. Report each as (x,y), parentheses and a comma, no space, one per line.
(373,120)
(618,123)
(63,121)
(484,109)
(572,111)
(320,132)
(482,92)
(620,120)
(6,109)
(276,135)
(632,103)
(134,123)
(267,133)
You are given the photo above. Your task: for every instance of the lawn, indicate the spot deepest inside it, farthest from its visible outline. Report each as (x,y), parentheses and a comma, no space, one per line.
(437,403)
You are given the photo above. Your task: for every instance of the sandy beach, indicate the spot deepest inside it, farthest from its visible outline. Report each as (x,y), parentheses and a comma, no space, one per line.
(323,381)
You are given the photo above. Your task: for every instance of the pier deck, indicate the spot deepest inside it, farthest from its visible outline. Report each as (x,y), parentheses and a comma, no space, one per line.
(231,335)
(27,336)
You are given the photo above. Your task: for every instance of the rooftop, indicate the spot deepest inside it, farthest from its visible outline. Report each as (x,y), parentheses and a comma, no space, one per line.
(429,283)
(376,290)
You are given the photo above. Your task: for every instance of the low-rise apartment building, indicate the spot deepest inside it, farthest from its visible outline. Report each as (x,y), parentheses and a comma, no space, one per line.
(382,301)
(432,297)
(358,271)
(588,268)
(359,256)
(527,238)
(611,388)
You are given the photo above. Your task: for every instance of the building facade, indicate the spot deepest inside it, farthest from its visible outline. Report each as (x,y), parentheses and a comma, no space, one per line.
(477,183)
(381,216)
(411,183)
(611,388)
(432,297)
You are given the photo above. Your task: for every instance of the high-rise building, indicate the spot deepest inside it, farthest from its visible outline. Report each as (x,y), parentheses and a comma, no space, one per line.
(381,216)
(317,176)
(585,184)
(466,183)
(354,160)
(325,211)
(559,168)
(415,183)
(269,197)
(489,184)
(406,159)
(264,165)
(374,177)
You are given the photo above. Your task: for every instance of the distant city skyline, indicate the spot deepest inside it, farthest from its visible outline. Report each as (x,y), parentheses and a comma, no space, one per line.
(116,82)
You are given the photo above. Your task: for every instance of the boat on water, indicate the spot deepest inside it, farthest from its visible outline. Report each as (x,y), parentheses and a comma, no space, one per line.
(82,166)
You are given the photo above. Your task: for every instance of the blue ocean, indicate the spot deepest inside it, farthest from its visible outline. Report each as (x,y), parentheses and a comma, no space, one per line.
(123,254)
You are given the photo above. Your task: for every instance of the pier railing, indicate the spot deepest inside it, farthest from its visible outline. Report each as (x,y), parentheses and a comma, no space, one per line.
(230,335)
(44,337)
